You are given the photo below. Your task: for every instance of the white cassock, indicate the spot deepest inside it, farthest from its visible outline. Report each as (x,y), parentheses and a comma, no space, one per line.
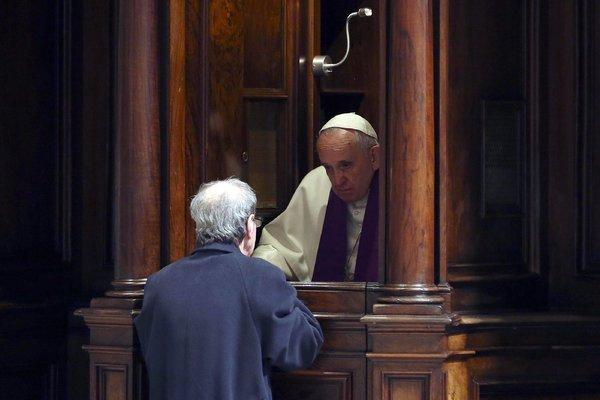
(291,240)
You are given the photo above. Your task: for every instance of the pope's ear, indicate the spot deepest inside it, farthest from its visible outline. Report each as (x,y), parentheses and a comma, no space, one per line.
(374,155)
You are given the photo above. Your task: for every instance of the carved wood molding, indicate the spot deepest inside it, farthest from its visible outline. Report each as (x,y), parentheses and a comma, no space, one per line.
(337,384)
(587,98)
(543,385)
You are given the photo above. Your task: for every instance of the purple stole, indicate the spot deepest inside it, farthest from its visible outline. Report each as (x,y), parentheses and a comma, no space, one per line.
(331,255)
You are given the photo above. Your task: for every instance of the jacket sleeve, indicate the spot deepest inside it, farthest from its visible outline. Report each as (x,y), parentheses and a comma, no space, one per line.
(290,335)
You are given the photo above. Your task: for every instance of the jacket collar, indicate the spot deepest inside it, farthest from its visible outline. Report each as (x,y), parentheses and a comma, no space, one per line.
(219,247)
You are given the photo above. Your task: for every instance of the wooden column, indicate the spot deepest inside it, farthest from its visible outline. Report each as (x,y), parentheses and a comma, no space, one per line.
(137,142)
(407,330)
(410,141)
(115,363)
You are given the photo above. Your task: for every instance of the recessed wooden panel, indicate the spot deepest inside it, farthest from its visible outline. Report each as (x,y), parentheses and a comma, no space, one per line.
(487,60)
(247,128)
(312,385)
(264,48)
(265,130)
(405,387)
(224,140)
(573,224)
(332,301)
(588,138)
(546,388)
(502,161)
(112,381)
(333,376)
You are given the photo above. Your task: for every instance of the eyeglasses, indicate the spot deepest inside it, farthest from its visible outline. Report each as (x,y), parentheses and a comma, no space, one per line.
(258,222)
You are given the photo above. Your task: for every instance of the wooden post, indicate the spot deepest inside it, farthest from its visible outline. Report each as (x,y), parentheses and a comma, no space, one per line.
(407,330)
(115,364)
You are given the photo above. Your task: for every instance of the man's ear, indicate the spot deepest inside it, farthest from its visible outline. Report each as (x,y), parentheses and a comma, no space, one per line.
(250,228)
(374,154)
(248,242)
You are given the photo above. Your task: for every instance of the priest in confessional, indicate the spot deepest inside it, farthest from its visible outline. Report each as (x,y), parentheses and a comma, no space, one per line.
(329,231)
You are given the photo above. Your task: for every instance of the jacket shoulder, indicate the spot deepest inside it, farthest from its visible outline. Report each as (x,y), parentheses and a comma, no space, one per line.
(260,267)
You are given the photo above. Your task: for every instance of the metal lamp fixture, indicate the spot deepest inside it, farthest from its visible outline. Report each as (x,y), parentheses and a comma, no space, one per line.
(322,63)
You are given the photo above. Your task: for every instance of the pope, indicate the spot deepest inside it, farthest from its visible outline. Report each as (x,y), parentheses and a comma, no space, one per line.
(329,230)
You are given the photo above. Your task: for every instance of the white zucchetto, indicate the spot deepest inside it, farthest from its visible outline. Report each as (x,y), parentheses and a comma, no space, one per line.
(351,121)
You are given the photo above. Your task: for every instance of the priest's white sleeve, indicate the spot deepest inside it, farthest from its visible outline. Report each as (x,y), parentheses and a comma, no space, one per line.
(291,240)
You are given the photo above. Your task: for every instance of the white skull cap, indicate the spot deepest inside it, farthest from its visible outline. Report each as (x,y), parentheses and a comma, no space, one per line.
(351,121)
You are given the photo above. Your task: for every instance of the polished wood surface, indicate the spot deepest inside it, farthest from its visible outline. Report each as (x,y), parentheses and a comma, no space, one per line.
(572,154)
(493,259)
(492,67)
(410,144)
(137,141)
(178,217)
(436,61)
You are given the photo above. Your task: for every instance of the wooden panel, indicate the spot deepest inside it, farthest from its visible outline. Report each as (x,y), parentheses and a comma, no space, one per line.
(405,387)
(264,44)
(313,385)
(502,159)
(339,308)
(487,60)
(196,104)
(331,301)
(225,140)
(333,376)
(547,388)
(413,378)
(263,161)
(250,63)
(178,219)
(588,142)
(112,382)
(572,153)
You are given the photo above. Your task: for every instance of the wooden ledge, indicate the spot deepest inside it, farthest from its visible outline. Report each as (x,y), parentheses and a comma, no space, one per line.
(527,318)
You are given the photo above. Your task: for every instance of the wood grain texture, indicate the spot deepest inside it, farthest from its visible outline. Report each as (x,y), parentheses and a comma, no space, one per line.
(196,104)
(137,143)
(588,144)
(333,376)
(570,118)
(177,214)
(442,72)
(487,61)
(410,144)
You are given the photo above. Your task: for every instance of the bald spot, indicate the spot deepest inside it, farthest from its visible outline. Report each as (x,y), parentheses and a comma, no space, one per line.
(221,191)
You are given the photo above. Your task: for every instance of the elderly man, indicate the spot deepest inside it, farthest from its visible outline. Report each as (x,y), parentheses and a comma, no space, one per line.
(214,324)
(329,231)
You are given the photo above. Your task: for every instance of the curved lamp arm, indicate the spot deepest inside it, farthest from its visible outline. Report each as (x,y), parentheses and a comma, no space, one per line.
(322,64)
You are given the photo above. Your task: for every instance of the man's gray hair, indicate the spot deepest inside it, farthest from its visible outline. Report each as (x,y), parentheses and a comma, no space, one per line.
(364,141)
(221,210)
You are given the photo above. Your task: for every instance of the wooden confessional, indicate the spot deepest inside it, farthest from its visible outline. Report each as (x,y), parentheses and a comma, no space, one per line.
(487,114)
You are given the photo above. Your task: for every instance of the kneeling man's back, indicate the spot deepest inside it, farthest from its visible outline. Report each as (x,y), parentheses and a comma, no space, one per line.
(214,324)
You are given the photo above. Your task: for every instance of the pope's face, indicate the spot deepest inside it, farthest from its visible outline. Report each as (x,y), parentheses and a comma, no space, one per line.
(349,168)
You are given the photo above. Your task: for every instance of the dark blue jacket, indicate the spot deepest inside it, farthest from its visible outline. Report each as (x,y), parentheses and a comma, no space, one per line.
(214,324)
